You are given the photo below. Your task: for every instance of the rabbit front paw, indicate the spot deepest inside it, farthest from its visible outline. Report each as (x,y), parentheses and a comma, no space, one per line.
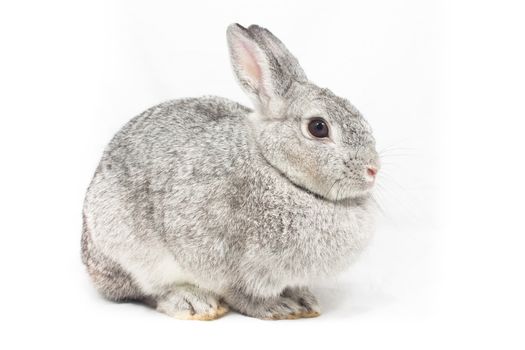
(191,303)
(305,298)
(293,303)
(280,308)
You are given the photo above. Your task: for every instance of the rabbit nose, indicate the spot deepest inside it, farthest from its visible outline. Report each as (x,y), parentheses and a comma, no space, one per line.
(371,171)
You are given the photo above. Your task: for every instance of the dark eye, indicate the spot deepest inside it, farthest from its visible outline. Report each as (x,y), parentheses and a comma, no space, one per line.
(318,128)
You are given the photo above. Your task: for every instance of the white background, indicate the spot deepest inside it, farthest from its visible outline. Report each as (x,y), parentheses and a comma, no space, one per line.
(441,83)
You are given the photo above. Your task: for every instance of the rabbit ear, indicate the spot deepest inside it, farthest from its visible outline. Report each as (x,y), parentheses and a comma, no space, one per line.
(263,65)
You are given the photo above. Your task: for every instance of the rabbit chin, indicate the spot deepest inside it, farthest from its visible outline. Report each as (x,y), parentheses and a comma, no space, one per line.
(347,190)
(356,192)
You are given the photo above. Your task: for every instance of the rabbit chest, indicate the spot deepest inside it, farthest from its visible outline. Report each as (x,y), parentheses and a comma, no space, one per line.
(302,236)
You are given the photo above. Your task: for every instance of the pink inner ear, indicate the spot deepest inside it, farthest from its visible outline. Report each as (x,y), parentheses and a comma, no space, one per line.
(248,62)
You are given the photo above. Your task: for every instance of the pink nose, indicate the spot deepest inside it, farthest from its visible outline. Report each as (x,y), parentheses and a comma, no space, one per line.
(372,171)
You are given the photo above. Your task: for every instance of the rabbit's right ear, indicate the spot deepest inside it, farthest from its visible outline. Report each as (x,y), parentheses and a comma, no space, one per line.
(264,67)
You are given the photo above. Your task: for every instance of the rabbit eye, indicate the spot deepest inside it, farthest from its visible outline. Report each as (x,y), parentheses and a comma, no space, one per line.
(318,128)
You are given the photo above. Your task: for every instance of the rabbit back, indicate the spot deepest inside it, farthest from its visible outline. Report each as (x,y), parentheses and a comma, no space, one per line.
(163,161)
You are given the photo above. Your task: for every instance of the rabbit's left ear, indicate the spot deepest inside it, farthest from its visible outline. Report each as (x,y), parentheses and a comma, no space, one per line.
(263,66)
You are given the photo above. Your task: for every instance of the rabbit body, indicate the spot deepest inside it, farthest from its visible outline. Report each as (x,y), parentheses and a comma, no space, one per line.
(188,210)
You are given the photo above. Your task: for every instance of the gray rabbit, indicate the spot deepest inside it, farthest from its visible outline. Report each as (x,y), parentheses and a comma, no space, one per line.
(201,204)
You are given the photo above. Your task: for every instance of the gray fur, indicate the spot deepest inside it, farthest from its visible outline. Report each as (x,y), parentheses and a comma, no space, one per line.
(202,202)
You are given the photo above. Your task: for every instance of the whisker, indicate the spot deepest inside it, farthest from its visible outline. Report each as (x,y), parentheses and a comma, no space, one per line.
(358,150)
(392,155)
(335,203)
(378,206)
(392,197)
(328,192)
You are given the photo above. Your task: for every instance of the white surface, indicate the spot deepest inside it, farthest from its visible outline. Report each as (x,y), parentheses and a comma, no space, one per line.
(442,90)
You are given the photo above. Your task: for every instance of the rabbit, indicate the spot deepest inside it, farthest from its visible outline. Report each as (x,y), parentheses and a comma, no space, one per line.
(202,205)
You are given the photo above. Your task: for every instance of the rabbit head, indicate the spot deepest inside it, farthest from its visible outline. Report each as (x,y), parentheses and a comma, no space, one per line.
(317,140)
